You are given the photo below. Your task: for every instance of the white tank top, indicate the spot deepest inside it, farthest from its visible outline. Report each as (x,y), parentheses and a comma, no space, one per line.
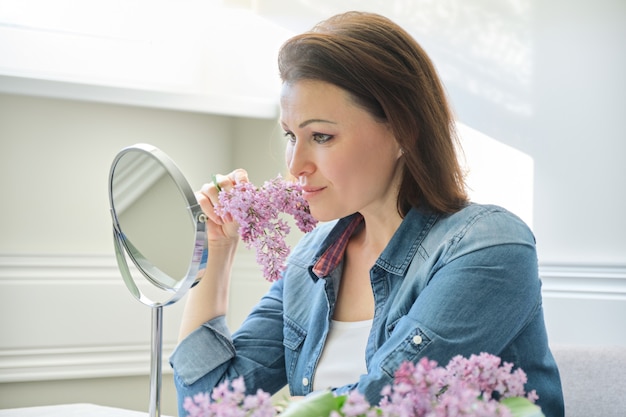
(343,358)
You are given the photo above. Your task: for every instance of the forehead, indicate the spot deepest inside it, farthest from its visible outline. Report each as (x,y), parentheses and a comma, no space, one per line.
(312,98)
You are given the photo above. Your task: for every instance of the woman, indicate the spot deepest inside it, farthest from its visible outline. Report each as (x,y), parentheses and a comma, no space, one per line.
(403,266)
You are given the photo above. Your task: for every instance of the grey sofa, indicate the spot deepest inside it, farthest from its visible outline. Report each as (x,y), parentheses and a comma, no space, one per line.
(593,379)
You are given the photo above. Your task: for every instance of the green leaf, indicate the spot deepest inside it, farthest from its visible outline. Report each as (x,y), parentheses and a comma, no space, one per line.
(314,405)
(522,407)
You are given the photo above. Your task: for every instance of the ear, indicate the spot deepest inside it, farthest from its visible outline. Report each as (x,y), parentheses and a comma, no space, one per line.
(400,151)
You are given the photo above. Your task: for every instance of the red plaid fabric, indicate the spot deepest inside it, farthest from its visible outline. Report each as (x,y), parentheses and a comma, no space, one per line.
(334,254)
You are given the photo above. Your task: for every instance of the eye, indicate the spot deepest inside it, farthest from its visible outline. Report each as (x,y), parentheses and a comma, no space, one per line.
(321,137)
(290,137)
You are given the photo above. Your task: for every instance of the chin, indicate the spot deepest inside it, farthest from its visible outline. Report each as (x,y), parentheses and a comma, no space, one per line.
(327,216)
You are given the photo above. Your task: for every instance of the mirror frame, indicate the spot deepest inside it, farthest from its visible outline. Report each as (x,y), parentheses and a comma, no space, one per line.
(124,248)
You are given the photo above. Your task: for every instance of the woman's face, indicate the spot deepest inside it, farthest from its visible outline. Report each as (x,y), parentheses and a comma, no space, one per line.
(346,160)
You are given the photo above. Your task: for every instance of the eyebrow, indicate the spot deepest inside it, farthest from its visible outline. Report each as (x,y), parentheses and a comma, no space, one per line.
(308,122)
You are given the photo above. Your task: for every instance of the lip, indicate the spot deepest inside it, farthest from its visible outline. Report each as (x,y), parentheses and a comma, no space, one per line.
(310,192)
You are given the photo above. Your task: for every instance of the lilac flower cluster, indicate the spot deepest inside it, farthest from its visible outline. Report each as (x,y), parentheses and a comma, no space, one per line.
(229,400)
(258,210)
(465,387)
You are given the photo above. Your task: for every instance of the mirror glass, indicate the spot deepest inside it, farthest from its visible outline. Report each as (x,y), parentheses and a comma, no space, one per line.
(157,224)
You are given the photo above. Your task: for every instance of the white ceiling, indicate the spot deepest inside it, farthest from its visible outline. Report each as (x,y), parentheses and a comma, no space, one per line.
(193,55)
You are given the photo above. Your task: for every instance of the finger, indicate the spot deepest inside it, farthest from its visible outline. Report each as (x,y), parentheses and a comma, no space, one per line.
(238,176)
(208,196)
(207,199)
(221,182)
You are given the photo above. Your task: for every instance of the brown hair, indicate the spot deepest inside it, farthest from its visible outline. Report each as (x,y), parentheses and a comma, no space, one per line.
(388,74)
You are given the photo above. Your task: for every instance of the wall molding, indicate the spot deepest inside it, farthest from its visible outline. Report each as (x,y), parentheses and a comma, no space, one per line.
(28,353)
(28,268)
(89,348)
(602,282)
(32,364)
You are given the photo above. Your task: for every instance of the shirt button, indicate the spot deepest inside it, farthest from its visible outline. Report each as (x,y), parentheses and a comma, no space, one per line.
(305,382)
(417,339)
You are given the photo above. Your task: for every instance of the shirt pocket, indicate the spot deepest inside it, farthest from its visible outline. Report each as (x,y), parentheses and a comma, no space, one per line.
(409,348)
(293,338)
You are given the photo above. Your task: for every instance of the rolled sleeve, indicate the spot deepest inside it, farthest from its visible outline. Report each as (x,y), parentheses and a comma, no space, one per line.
(190,361)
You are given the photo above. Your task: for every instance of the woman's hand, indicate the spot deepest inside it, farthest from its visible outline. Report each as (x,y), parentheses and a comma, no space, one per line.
(220,230)
(209,298)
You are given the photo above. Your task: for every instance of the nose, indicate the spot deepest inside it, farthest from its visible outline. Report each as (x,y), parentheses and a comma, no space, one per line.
(298,159)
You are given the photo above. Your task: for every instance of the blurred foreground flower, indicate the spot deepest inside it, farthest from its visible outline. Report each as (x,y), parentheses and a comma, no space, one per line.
(478,387)
(258,210)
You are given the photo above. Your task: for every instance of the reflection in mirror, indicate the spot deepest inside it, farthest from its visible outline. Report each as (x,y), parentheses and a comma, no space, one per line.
(152,214)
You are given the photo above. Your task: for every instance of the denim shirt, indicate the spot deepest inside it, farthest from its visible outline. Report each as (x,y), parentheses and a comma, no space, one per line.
(445,285)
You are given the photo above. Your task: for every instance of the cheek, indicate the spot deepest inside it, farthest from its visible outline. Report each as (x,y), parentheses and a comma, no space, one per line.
(288,154)
(346,173)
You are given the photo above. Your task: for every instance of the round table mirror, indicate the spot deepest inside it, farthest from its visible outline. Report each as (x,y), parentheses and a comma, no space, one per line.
(159,236)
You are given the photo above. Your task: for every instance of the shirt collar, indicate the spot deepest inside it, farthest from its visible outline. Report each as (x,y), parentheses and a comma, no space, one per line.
(400,251)
(334,254)
(396,257)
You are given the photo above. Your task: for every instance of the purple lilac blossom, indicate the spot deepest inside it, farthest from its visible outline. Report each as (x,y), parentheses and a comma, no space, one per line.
(464,387)
(258,210)
(229,400)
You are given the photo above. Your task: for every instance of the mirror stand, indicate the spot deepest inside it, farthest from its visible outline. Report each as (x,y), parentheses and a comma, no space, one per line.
(156,357)
(159,226)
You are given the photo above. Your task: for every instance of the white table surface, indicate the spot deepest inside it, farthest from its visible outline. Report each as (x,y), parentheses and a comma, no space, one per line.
(71,410)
